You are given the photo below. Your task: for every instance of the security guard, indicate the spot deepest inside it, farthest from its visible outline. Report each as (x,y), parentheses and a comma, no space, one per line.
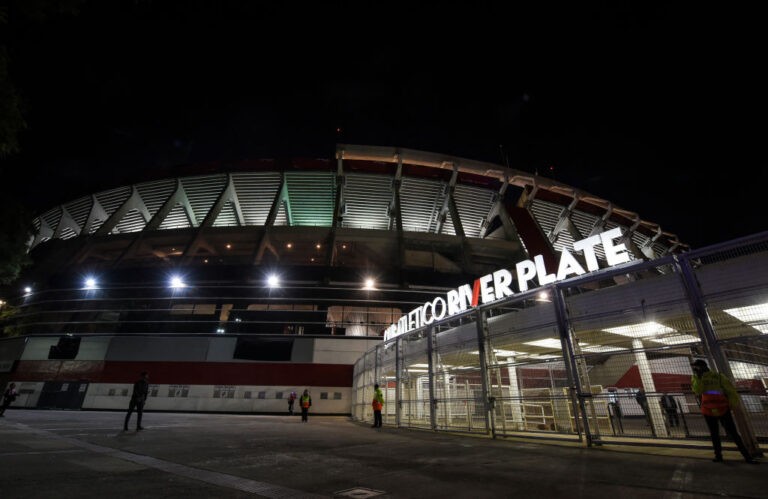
(377,403)
(305,401)
(717,395)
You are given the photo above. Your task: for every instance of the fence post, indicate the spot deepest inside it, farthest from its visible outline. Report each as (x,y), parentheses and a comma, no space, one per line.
(482,346)
(431,367)
(571,369)
(711,345)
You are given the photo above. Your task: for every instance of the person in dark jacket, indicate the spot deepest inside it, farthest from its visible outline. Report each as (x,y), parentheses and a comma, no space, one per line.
(291,400)
(642,401)
(669,405)
(8,397)
(138,398)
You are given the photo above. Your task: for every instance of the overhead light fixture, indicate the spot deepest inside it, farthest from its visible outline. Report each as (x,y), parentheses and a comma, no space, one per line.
(177,282)
(755,316)
(676,339)
(502,353)
(546,343)
(642,330)
(586,347)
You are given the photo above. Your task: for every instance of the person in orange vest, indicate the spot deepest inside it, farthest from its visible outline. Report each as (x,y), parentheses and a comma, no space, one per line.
(377,403)
(305,402)
(717,396)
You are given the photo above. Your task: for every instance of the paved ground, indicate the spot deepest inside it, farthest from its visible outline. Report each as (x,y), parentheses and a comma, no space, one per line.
(82,454)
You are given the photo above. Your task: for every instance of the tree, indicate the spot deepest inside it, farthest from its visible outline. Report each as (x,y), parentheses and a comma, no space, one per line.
(16,232)
(12,121)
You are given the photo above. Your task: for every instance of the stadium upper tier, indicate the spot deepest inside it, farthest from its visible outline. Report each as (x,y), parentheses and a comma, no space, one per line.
(366,196)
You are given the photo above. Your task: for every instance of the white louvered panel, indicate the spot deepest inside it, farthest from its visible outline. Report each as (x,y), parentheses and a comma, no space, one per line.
(420,201)
(227,217)
(583,222)
(113,199)
(367,198)
(97,223)
(448,228)
(52,217)
(546,214)
(312,197)
(79,209)
(281,218)
(203,191)
(473,204)
(639,239)
(67,233)
(659,248)
(133,221)
(37,222)
(564,240)
(176,219)
(155,194)
(256,192)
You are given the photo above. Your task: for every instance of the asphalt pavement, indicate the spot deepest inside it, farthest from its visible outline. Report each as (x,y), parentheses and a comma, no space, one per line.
(84,454)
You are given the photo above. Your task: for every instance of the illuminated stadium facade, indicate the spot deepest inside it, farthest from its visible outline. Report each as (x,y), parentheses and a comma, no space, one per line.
(181,270)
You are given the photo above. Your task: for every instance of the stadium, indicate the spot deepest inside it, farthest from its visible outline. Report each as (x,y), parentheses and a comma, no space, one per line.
(482,298)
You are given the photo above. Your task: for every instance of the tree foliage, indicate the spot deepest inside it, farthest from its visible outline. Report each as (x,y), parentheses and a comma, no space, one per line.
(12,110)
(16,231)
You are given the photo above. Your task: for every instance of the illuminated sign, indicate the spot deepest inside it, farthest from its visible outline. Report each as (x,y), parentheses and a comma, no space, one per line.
(495,286)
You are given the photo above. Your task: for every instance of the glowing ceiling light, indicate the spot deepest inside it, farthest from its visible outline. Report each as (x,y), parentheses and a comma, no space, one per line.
(27,290)
(369,284)
(177,282)
(753,315)
(676,339)
(546,343)
(641,330)
(273,281)
(90,283)
(502,353)
(600,348)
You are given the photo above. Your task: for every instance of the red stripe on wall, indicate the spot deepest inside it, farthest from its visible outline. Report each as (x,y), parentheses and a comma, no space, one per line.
(187,373)
(664,382)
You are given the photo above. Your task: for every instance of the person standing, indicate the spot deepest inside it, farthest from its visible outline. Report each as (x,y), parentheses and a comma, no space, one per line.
(291,400)
(642,400)
(9,396)
(138,398)
(377,403)
(717,396)
(669,405)
(305,401)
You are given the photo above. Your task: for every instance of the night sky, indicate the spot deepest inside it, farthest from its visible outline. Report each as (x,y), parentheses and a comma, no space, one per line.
(656,107)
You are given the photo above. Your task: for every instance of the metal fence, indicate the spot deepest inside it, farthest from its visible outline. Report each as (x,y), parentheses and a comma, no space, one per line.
(588,358)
